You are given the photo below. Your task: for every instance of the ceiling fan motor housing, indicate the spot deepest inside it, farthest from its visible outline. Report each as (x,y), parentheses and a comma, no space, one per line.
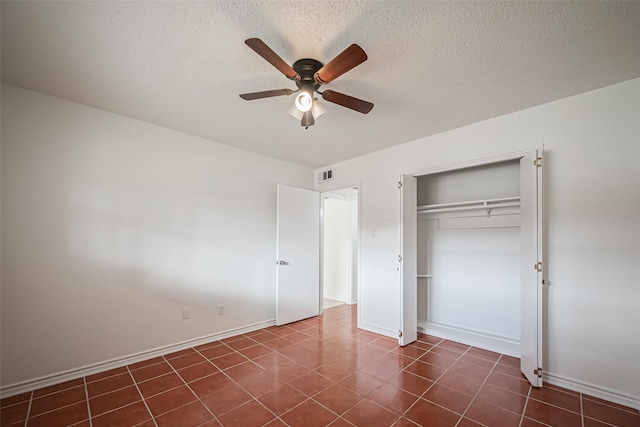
(307,68)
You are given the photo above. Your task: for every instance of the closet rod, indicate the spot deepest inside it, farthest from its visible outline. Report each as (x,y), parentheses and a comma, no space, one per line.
(469,208)
(472,202)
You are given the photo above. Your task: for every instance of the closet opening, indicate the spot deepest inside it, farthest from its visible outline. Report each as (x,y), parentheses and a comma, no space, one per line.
(472,256)
(468,252)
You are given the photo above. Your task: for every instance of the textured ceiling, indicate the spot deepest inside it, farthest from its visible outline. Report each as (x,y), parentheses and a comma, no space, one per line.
(433,66)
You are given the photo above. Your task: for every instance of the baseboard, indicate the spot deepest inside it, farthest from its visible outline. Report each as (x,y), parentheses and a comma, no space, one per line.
(592,390)
(472,337)
(512,348)
(378,330)
(72,374)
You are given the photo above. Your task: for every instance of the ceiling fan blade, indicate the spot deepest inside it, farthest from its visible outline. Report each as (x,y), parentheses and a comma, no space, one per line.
(272,58)
(347,101)
(265,94)
(346,60)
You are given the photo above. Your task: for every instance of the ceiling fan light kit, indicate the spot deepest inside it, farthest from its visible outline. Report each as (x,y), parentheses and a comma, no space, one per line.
(316,109)
(309,75)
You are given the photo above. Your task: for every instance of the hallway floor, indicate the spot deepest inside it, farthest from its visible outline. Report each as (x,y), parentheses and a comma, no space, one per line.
(317,372)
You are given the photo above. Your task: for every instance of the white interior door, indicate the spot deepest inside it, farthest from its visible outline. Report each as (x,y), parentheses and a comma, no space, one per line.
(298,254)
(531,238)
(408,260)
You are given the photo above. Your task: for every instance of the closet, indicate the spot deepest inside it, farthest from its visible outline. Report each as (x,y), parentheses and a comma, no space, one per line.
(472,256)
(468,255)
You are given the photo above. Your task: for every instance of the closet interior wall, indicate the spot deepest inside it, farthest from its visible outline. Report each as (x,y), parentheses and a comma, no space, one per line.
(469,256)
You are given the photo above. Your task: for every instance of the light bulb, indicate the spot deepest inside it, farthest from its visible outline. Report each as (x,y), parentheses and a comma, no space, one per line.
(304,101)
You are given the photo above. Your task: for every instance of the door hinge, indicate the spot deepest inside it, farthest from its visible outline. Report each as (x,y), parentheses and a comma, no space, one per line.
(399,334)
(537,266)
(399,258)
(538,372)
(538,162)
(399,184)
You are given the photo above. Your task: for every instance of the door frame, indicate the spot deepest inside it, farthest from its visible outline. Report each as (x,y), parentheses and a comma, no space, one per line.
(541,250)
(355,264)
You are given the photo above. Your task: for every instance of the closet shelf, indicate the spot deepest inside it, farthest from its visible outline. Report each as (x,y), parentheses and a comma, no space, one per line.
(426,276)
(488,204)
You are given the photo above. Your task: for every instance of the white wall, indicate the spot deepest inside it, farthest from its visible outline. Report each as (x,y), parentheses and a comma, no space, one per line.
(475,287)
(591,208)
(470,184)
(336,272)
(111,226)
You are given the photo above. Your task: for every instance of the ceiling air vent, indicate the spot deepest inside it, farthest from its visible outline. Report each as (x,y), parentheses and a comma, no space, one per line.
(325,176)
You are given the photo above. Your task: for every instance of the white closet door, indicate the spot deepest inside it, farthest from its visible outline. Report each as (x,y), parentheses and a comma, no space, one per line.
(408,260)
(531,238)
(298,254)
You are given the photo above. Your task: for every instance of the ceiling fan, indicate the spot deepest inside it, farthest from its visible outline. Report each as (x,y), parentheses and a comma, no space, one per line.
(310,75)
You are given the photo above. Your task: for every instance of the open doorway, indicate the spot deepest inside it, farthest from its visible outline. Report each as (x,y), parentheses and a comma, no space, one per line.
(339,247)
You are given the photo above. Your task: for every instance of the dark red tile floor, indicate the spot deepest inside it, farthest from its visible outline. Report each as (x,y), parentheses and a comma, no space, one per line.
(317,372)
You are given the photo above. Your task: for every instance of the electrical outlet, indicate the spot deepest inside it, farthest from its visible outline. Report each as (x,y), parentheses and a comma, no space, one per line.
(220,309)
(186,313)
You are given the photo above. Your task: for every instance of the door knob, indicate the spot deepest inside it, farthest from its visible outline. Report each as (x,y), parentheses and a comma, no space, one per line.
(282,262)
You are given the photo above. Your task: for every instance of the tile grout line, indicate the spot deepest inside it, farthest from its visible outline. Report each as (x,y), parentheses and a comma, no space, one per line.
(581,411)
(561,407)
(144,400)
(393,350)
(231,379)
(278,417)
(56,391)
(338,415)
(48,395)
(314,401)
(526,402)
(479,388)
(117,389)
(26,417)
(86,395)
(310,398)
(189,387)
(434,381)
(619,407)
(113,409)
